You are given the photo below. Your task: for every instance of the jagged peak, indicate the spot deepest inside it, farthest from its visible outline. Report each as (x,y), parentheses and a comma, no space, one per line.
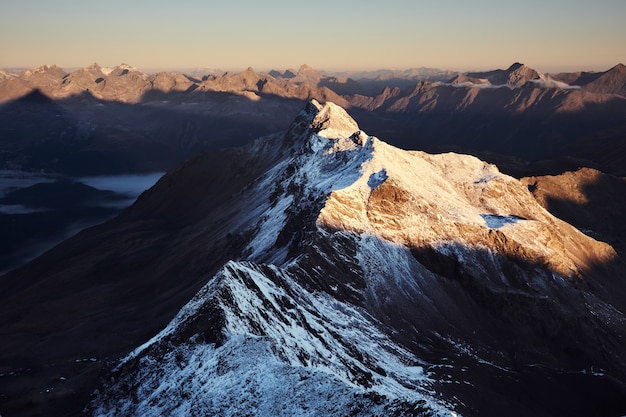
(42,69)
(331,121)
(123,69)
(516,65)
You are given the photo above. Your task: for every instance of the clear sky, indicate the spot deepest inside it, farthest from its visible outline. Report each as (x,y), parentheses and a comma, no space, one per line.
(549,35)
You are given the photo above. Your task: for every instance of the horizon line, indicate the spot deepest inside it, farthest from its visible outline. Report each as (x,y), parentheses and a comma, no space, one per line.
(218,69)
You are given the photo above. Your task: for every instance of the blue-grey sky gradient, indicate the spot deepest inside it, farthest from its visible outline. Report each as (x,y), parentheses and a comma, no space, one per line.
(549,35)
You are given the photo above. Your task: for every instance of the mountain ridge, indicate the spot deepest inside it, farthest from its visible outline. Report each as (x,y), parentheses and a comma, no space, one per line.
(61,84)
(453,266)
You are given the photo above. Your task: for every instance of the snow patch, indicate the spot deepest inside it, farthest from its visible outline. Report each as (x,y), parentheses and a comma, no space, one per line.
(377,178)
(553,84)
(487,85)
(494,221)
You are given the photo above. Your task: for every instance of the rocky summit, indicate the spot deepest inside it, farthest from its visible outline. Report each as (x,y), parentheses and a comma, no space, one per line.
(322,271)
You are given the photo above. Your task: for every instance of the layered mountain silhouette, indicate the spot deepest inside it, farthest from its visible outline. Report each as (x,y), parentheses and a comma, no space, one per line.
(517,112)
(321,271)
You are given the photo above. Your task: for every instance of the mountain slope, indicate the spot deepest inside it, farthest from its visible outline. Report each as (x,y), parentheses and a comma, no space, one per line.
(612,81)
(333,274)
(580,197)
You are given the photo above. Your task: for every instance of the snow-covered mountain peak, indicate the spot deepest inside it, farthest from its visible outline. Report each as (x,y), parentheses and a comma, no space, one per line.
(416,199)
(362,279)
(360,184)
(332,121)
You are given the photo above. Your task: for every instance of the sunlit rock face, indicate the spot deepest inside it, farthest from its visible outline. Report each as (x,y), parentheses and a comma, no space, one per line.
(343,276)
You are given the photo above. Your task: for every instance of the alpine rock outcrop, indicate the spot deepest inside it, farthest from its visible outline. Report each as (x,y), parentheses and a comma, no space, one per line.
(367,280)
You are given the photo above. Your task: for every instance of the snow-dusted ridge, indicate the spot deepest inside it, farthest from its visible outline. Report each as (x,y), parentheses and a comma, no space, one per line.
(276,334)
(296,334)
(362,264)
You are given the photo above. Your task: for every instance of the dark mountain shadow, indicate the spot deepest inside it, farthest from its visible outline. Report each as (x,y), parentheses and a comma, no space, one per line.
(82,135)
(606,146)
(542,346)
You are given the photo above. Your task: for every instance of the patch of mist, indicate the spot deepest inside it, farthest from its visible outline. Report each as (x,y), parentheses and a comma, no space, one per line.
(131,185)
(117,204)
(14,179)
(554,84)
(478,85)
(17,209)
(127,186)
(534,83)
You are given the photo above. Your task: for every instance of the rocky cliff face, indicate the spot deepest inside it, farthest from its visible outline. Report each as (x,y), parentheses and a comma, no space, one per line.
(367,280)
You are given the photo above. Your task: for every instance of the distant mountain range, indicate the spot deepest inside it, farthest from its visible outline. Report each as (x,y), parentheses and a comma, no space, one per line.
(322,271)
(104,120)
(126,83)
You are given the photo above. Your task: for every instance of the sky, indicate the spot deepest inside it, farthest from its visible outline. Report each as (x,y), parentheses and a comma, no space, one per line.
(460,35)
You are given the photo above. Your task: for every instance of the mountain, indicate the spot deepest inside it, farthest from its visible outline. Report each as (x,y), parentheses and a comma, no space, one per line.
(612,81)
(515,76)
(321,271)
(123,83)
